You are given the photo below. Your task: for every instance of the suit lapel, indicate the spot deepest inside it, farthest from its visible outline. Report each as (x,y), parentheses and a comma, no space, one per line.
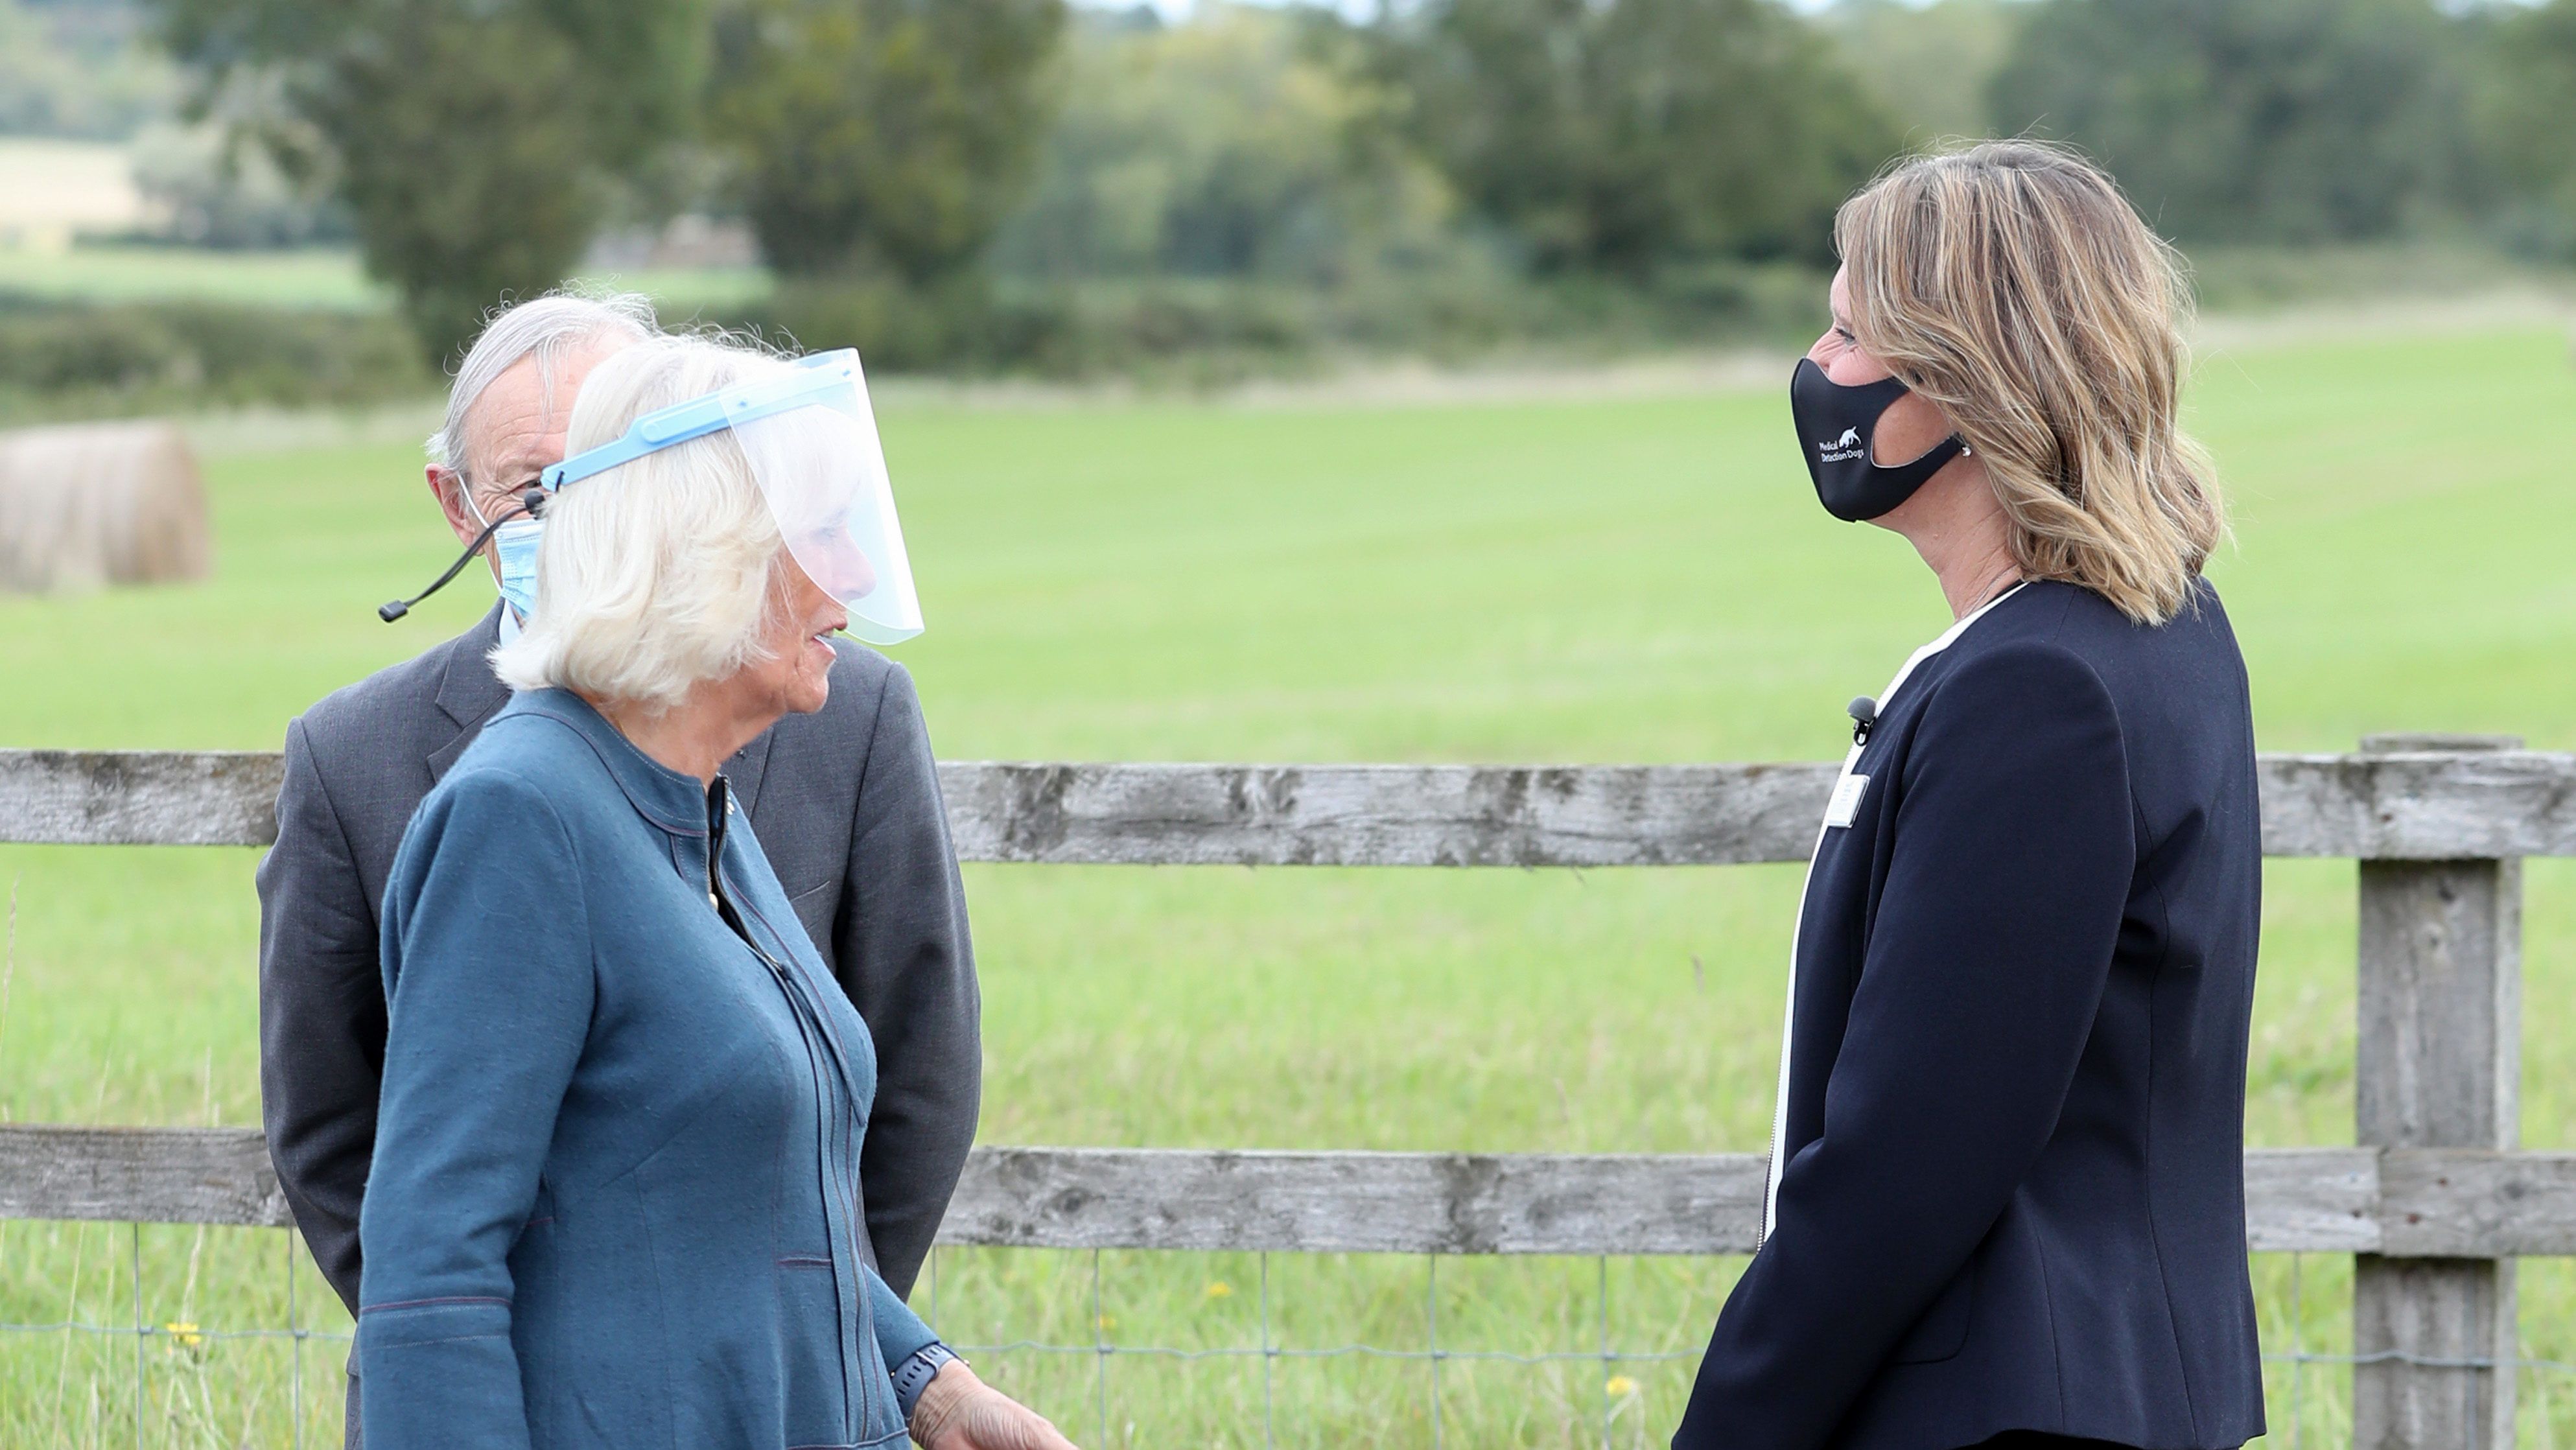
(743,772)
(468,691)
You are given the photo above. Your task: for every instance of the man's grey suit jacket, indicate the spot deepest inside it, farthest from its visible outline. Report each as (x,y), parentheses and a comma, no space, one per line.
(845,803)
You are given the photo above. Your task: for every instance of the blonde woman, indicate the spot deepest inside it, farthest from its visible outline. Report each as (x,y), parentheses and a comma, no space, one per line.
(2005,1204)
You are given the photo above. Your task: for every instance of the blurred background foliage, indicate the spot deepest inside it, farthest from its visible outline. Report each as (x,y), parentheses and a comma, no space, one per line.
(880,137)
(80,70)
(1018,186)
(1246,143)
(472,143)
(1622,137)
(2294,121)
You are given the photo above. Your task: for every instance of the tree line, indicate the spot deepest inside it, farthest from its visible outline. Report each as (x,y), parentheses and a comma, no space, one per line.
(885,150)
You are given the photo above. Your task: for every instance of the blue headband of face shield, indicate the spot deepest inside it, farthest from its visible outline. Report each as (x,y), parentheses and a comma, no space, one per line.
(811,441)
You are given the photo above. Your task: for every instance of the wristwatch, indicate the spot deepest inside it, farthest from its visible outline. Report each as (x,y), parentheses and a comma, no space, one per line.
(915,1374)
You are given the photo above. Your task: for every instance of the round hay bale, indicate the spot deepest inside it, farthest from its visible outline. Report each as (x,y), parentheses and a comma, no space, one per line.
(89,504)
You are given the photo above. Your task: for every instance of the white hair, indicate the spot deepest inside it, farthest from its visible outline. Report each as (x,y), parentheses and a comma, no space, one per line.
(655,575)
(545,328)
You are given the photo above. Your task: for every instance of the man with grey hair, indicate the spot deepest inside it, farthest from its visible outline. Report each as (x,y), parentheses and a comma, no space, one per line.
(845,801)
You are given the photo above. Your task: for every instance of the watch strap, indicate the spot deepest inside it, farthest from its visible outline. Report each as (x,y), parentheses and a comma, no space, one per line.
(916,1372)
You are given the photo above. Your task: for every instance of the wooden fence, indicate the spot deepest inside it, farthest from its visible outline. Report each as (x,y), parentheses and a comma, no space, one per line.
(2435,1203)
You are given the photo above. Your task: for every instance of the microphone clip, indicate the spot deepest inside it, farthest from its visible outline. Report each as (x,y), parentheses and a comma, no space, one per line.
(1864,714)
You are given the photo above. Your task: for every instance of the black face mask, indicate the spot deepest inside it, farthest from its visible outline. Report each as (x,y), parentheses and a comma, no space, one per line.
(1836,423)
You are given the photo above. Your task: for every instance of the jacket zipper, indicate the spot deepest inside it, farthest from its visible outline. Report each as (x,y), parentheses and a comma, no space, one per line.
(854,1415)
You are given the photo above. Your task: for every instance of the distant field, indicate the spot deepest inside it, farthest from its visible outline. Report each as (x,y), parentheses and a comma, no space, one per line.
(1594,580)
(315,277)
(52,189)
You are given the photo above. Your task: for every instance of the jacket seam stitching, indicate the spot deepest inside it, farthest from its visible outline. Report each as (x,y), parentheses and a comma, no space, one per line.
(2164,959)
(2048,1301)
(661,1305)
(852,903)
(447,1339)
(2155,1233)
(471,644)
(876,724)
(641,808)
(580,874)
(339,826)
(425,1303)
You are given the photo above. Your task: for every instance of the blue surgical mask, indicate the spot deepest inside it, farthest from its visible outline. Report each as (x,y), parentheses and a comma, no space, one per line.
(517,540)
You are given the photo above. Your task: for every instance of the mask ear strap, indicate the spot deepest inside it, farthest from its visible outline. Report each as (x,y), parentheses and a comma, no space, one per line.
(1933,460)
(465,495)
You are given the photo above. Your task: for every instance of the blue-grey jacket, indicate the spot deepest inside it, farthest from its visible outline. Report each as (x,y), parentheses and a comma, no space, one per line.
(615,1192)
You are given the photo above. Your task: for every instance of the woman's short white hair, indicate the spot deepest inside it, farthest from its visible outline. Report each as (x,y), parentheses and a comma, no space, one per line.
(656,575)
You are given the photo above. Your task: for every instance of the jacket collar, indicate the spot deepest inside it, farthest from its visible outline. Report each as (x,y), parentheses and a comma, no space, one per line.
(742,774)
(468,691)
(674,802)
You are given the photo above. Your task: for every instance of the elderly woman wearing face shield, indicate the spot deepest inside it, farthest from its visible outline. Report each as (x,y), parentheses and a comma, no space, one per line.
(2006,1203)
(615,1195)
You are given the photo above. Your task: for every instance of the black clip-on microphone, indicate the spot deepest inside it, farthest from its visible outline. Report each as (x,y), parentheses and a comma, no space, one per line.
(1864,713)
(529,502)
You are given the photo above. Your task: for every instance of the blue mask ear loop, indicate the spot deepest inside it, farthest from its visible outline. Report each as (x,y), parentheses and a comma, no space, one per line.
(529,503)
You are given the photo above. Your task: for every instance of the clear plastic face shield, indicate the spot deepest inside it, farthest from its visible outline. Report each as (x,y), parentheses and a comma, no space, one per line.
(811,440)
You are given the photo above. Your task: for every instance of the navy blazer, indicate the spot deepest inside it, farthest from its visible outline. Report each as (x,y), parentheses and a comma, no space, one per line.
(2010,1175)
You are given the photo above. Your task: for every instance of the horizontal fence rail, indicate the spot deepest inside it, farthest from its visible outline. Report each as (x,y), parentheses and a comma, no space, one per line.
(2422,1203)
(2434,1204)
(2419,806)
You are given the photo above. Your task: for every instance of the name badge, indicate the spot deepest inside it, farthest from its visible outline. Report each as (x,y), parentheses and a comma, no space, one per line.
(1845,807)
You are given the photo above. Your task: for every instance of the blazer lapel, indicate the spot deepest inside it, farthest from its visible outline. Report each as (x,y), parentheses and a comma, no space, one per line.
(468,691)
(742,773)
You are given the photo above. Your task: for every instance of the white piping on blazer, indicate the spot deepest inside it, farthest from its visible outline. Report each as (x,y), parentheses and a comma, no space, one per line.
(1844,803)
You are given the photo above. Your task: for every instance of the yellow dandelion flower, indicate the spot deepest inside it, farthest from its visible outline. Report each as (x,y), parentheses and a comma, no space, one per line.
(1108,1322)
(1220,1289)
(1619,1387)
(183,1335)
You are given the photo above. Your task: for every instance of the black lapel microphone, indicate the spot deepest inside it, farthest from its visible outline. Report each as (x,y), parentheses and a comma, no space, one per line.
(1864,714)
(529,503)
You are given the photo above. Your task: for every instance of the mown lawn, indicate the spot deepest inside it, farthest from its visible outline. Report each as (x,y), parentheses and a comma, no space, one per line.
(1601,580)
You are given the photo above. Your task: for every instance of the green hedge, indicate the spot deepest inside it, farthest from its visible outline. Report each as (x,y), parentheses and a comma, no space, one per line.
(63,359)
(1215,330)
(73,359)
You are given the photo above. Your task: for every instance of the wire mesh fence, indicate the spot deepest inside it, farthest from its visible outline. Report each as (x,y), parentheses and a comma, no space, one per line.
(1616,1393)
(1619,1340)
(173,1368)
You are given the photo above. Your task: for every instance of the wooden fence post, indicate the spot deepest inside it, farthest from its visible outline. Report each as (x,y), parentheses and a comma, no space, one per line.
(2439,1065)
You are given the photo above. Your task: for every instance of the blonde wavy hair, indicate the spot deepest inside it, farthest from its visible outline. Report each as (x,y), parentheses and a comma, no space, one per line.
(2012,284)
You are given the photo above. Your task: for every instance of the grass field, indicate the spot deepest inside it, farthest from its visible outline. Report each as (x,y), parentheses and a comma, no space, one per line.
(1594,580)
